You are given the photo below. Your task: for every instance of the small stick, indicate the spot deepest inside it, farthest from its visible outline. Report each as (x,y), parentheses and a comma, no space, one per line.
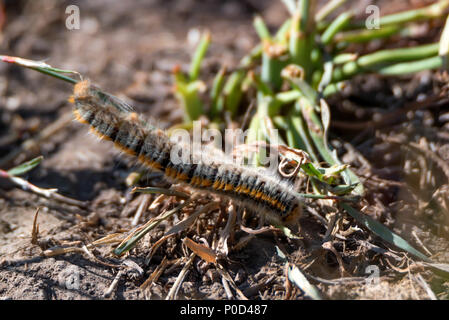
(47,193)
(420,243)
(114,283)
(227,289)
(156,274)
(143,206)
(174,290)
(35,230)
(287,283)
(425,286)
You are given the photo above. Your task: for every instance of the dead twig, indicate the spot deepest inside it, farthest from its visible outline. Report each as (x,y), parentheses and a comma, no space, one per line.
(114,284)
(143,206)
(175,288)
(47,193)
(35,230)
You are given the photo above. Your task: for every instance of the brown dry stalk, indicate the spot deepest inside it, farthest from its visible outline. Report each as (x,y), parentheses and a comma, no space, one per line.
(35,230)
(155,274)
(202,251)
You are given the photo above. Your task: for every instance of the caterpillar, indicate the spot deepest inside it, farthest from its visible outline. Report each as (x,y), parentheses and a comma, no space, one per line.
(113,120)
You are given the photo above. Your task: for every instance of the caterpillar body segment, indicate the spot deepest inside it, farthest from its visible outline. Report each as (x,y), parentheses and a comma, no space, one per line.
(152,147)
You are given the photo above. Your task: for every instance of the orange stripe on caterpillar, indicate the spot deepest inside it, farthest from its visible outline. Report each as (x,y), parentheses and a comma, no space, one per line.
(78,117)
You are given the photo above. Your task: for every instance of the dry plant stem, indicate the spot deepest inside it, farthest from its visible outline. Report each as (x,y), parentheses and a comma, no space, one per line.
(184,224)
(155,246)
(109,239)
(130,241)
(226,276)
(338,281)
(95,259)
(174,289)
(114,284)
(380,250)
(329,246)
(330,227)
(425,286)
(411,278)
(258,231)
(287,283)
(418,240)
(227,289)
(222,245)
(156,274)
(35,230)
(47,193)
(143,206)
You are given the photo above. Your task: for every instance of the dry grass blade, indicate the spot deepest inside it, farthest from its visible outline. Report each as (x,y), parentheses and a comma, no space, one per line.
(420,280)
(134,237)
(58,251)
(114,284)
(222,244)
(287,283)
(174,289)
(339,281)
(156,274)
(228,291)
(109,239)
(228,278)
(47,193)
(205,253)
(168,192)
(184,224)
(35,230)
(143,206)
(155,246)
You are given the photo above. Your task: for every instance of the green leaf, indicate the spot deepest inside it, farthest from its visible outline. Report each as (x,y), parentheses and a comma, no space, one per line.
(334,171)
(310,170)
(25,167)
(342,189)
(198,56)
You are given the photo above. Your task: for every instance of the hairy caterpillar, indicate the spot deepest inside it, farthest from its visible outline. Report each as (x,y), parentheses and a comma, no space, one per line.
(111,119)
